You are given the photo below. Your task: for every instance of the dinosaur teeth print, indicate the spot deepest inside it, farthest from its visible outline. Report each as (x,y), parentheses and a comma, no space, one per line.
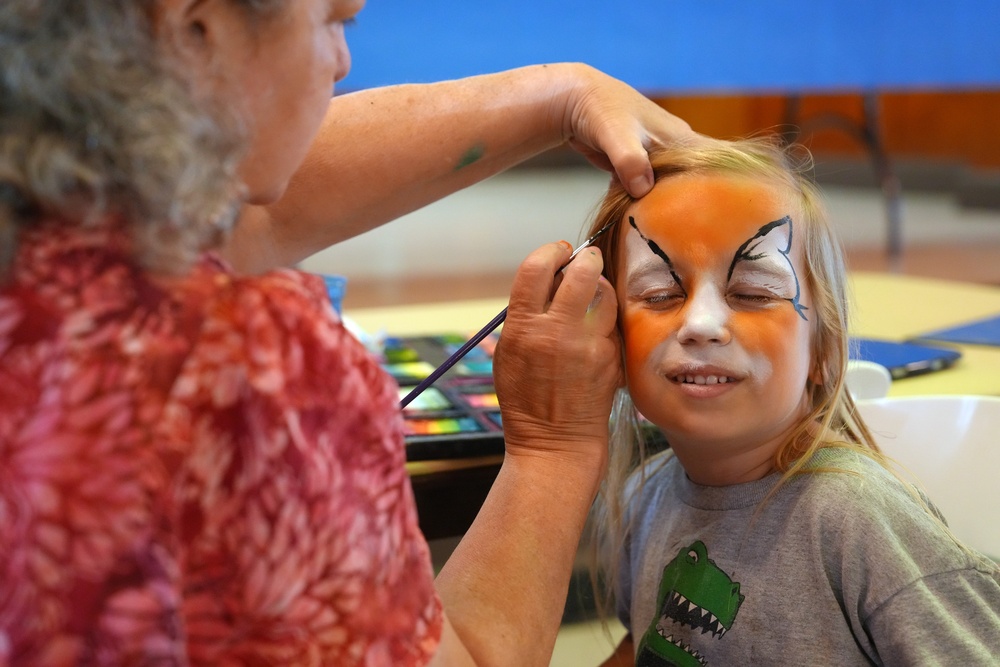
(681,610)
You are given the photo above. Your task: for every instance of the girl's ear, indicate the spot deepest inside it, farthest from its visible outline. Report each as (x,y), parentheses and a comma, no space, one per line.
(817,375)
(818,370)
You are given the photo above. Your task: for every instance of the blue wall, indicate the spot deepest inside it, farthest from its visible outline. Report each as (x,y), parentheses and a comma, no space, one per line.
(688,46)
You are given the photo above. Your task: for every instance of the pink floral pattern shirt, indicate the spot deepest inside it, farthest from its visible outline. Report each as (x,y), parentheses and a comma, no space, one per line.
(204,470)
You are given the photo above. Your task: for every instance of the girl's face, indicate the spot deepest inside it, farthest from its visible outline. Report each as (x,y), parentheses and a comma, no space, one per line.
(716,317)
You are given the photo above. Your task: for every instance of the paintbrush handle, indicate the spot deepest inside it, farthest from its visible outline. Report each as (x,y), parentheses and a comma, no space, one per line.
(484,332)
(454,358)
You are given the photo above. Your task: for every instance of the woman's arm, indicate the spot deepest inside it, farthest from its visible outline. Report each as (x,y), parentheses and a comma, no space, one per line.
(384,152)
(556,369)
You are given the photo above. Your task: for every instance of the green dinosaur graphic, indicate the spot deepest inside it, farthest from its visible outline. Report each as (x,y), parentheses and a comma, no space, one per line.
(694,595)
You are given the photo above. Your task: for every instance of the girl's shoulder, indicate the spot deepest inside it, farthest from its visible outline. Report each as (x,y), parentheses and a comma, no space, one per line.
(870,514)
(848,484)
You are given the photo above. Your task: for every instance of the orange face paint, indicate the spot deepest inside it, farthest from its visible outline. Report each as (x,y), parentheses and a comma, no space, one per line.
(714,314)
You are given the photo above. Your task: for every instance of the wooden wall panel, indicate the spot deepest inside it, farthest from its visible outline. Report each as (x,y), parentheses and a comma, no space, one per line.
(952,126)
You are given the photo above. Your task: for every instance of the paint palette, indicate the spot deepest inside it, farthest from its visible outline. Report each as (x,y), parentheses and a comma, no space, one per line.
(458,416)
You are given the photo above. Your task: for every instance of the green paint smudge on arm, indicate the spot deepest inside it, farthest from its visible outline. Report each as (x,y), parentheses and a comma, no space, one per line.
(470,156)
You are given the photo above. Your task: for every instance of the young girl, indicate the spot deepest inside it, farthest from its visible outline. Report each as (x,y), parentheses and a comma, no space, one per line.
(772,531)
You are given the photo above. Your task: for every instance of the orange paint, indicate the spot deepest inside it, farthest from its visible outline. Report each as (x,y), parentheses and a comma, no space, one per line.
(700,223)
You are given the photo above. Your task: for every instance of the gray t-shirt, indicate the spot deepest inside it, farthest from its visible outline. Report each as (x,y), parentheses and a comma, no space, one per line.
(836,568)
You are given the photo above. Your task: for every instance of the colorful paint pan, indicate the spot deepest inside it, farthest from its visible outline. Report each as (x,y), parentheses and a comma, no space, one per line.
(481,352)
(484,400)
(441,426)
(413,370)
(430,399)
(473,367)
(396,351)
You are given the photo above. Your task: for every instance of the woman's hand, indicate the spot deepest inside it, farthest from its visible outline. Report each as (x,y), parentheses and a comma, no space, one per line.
(558,361)
(613,125)
(556,369)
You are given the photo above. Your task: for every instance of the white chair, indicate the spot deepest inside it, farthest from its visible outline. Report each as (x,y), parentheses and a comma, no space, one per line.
(867,379)
(951,445)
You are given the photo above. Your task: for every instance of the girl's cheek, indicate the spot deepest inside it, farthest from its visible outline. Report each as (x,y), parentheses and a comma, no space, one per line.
(772,335)
(643,332)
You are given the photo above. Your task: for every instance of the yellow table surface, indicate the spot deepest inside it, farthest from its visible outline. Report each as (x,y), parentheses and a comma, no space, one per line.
(895,307)
(886,306)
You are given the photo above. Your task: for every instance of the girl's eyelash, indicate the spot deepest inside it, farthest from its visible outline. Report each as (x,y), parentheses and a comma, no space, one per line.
(660,297)
(756,298)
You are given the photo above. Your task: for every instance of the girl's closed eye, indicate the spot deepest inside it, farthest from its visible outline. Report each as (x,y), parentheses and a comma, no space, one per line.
(752,296)
(759,287)
(662,298)
(653,287)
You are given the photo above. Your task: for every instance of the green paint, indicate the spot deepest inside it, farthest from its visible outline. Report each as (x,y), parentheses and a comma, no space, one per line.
(470,156)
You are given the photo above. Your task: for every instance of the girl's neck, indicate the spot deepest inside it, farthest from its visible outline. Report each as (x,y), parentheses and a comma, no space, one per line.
(728,463)
(727,470)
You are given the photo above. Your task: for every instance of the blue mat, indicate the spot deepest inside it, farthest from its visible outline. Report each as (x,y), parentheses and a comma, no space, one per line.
(980,332)
(903,359)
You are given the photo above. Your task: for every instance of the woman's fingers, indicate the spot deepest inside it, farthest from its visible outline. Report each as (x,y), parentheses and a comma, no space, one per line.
(558,361)
(535,279)
(613,125)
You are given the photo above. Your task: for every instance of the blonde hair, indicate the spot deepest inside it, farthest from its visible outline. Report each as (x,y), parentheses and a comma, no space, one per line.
(96,121)
(830,404)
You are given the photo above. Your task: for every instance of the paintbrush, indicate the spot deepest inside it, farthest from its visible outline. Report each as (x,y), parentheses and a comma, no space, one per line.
(484,332)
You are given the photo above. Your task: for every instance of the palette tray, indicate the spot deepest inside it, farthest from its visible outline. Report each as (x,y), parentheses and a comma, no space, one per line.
(458,416)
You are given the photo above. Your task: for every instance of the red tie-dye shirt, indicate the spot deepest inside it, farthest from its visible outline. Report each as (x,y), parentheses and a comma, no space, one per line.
(204,470)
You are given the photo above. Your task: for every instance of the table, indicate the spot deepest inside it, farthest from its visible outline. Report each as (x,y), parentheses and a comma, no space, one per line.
(895,307)
(887,306)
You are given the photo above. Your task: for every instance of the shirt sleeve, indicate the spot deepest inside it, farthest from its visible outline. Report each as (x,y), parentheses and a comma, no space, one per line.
(912,594)
(951,618)
(298,522)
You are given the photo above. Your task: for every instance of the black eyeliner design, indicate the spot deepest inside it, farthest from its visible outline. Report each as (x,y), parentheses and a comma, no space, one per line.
(659,253)
(746,251)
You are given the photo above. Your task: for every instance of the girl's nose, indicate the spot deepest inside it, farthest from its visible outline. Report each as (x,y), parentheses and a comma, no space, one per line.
(705,318)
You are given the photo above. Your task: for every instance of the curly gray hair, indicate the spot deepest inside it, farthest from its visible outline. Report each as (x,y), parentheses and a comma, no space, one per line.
(95,121)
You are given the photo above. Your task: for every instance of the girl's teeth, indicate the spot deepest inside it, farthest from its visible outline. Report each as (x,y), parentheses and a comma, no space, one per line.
(703,379)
